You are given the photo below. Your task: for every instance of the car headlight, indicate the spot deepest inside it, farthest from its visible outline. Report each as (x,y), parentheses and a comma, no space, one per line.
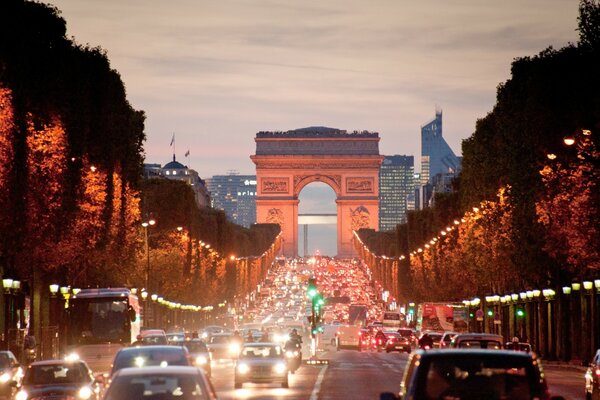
(279,368)
(5,377)
(84,393)
(139,361)
(234,348)
(21,395)
(72,357)
(289,354)
(243,368)
(201,360)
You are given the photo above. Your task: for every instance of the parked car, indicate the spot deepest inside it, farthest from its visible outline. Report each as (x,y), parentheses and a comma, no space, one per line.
(261,363)
(59,379)
(198,353)
(592,378)
(174,382)
(477,341)
(472,374)
(145,356)
(11,373)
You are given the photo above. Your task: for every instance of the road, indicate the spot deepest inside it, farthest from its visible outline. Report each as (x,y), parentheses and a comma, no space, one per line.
(364,375)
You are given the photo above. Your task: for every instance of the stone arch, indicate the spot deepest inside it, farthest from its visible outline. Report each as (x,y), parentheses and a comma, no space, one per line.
(347,162)
(301,181)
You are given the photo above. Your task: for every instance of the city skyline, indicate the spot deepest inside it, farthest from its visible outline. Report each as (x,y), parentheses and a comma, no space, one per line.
(215,74)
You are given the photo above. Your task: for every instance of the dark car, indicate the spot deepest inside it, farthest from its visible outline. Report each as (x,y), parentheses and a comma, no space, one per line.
(160,383)
(472,374)
(11,373)
(145,356)
(198,353)
(59,379)
(592,378)
(397,342)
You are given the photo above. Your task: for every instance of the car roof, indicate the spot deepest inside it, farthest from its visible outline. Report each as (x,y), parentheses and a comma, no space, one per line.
(484,336)
(151,348)
(169,370)
(451,353)
(56,362)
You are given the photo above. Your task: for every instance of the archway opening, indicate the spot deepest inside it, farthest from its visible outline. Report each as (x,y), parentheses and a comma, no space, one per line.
(317,220)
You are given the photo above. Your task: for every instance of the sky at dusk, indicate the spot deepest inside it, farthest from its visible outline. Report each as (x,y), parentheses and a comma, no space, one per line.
(216,72)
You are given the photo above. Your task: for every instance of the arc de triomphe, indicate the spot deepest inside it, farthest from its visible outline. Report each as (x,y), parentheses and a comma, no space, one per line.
(288,161)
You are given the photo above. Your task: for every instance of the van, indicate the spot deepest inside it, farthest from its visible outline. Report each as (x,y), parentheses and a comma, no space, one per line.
(477,341)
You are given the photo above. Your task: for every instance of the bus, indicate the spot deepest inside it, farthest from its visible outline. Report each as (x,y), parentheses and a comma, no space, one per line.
(393,320)
(348,335)
(101,321)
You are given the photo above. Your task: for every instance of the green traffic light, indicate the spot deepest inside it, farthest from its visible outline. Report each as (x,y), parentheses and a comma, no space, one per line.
(490,313)
(471,315)
(312,292)
(520,313)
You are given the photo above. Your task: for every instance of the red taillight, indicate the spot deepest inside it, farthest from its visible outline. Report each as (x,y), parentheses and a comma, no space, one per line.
(597,371)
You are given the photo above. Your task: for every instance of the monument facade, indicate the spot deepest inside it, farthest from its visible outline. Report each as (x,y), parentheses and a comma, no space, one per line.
(288,161)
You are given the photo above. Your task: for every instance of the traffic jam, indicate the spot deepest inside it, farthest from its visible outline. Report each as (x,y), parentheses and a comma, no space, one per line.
(308,315)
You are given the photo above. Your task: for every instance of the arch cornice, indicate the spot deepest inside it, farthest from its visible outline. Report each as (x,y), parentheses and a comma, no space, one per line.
(334,182)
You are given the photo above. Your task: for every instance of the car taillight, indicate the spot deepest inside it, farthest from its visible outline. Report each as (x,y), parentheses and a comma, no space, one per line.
(597,371)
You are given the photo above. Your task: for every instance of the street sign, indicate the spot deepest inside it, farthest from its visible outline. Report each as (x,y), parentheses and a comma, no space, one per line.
(479,315)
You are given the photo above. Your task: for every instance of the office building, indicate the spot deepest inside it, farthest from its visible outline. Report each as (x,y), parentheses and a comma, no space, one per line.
(436,156)
(236,195)
(396,184)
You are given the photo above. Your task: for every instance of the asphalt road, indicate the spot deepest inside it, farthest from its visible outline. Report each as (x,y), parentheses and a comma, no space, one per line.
(364,375)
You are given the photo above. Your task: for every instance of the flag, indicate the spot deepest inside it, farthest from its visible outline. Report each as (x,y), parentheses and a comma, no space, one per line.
(172,140)
(187,153)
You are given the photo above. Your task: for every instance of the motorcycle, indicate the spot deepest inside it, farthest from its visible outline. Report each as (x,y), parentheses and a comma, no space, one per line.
(293,354)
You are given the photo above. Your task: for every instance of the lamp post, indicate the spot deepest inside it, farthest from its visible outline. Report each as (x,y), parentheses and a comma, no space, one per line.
(146,225)
(145,301)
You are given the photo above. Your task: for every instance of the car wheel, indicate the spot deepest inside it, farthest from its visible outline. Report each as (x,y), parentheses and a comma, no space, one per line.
(237,385)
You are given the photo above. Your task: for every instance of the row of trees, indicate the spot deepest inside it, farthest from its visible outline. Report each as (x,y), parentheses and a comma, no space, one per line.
(71,194)
(541,215)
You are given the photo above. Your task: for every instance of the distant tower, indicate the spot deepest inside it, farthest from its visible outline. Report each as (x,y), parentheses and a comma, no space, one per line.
(396,184)
(436,156)
(235,195)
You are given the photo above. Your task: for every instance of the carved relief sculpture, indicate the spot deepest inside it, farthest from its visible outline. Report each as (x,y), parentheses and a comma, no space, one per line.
(274,185)
(275,216)
(360,218)
(359,185)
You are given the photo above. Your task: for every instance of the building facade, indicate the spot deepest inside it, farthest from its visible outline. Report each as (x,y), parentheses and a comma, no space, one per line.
(396,189)
(436,156)
(236,195)
(174,170)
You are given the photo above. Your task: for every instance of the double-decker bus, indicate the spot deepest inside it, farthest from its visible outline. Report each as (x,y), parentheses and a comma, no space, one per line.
(102,321)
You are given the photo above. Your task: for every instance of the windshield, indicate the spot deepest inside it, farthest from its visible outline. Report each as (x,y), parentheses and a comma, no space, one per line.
(57,374)
(99,320)
(261,352)
(156,386)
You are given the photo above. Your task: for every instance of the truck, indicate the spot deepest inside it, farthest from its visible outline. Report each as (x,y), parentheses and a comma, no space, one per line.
(442,317)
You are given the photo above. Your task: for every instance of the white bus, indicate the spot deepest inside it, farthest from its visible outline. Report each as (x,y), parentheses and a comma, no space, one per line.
(102,321)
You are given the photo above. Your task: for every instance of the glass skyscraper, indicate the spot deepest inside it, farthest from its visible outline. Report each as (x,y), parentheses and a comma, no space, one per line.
(436,156)
(234,194)
(396,185)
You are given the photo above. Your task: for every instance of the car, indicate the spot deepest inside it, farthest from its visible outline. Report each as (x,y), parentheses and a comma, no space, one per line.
(397,342)
(11,373)
(173,382)
(447,339)
(436,337)
(592,378)
(477,341)
(144,356)
(151,337)
(410,334)
(59,379)
(472,374)
(261,363)
(519,346)
(198,353)
(221,347)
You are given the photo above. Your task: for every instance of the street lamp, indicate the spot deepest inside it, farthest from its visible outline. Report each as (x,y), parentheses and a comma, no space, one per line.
(146,224)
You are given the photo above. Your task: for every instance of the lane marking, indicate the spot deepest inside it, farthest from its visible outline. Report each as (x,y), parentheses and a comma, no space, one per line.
(315,393)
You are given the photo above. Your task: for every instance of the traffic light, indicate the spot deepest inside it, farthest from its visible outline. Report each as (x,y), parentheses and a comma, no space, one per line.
(520,313)
(312,288)
(490,313)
